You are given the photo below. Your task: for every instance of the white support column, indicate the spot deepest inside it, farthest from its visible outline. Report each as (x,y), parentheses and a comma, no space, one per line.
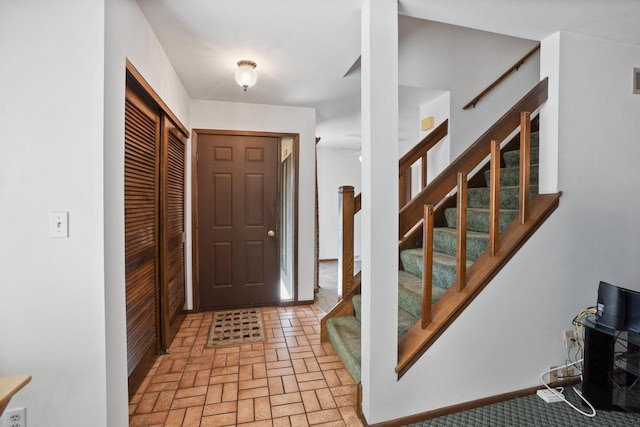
(379,205)
(550,115)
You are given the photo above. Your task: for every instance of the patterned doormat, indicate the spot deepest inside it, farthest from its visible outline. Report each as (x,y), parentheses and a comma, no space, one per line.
(233,327)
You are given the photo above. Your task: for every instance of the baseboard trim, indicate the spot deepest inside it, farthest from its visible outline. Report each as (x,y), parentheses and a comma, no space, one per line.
(465,406)
(293,303)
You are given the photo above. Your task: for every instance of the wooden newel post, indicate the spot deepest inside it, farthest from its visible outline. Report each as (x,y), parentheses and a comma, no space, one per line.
(427,265)
(461,225)
(494,199)
(346,211)
(525,165)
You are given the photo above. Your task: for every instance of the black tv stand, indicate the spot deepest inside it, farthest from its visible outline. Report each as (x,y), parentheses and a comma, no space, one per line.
(611,367)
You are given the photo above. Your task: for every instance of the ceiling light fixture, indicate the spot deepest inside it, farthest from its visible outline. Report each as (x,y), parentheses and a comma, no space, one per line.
(246,75)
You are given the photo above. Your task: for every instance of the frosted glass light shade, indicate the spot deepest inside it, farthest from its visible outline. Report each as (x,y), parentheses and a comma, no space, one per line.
(246,75)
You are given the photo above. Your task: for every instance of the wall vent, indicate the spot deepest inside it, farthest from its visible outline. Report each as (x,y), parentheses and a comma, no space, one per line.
(636,80)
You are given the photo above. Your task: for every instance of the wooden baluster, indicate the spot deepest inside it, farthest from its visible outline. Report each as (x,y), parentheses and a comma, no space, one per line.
(427,264)
(525,165)
(423,167)
(404,192)
(494,199)
(345,240)
(401,183)
(461,225)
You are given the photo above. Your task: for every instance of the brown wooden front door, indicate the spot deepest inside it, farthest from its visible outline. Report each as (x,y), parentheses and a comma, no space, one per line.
(237,218)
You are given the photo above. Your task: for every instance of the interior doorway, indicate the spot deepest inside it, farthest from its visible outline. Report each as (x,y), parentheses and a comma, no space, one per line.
(245,213)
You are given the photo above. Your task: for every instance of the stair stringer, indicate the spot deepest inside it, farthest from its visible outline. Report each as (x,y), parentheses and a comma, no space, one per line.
(344,307)
(416,341)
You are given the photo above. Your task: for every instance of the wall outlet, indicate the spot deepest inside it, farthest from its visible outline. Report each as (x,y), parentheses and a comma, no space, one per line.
(553,374)
(16,417)
(569,338)
(567,373)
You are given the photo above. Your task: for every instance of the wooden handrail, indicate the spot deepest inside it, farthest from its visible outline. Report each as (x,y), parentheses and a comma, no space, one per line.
(419,152)
(442,185)
(427,143)
(357,203)
(513,68)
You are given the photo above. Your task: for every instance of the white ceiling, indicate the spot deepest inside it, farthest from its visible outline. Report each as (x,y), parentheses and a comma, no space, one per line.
(303,48)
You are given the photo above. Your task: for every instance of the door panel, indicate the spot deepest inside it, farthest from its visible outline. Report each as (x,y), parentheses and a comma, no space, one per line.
(173,228)
(237,207)
(142,130)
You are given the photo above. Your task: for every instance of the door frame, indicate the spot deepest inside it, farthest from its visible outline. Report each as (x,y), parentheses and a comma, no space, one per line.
(195,262)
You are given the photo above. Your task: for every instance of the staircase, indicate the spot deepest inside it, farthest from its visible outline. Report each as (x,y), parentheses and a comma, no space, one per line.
(344,331)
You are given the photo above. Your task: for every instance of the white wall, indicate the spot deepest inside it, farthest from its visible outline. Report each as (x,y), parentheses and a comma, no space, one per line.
(52,321)
(464,62)
(271,118)
(127,35)
(335,168)
(512,331)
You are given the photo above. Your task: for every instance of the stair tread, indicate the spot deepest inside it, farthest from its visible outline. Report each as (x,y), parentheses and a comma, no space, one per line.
(454,231)
(344,334)
(437,257)
(502,187)
(410,293)
(405,321)
(483,210)
(533,165)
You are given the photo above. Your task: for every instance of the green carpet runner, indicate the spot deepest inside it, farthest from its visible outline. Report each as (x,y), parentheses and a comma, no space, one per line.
(344,332)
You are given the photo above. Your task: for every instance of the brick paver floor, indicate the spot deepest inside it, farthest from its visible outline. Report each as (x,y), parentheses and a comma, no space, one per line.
(291,380)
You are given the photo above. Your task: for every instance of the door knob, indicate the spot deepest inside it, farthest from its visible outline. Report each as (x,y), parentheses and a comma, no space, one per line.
(271,233)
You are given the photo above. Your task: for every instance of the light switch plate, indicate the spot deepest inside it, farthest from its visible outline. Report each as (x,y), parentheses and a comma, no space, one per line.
(58,224)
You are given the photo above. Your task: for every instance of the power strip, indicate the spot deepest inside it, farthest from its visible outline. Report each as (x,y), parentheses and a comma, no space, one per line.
(548,396)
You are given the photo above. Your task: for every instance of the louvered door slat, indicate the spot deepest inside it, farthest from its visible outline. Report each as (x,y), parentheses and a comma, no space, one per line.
(175,204)
(141,224)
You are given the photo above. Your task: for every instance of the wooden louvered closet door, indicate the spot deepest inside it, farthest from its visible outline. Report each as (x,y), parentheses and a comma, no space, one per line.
(142,143)
(173,174)
(155,162)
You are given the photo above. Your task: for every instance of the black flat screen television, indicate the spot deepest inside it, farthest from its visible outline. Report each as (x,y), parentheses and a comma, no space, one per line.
(618,308)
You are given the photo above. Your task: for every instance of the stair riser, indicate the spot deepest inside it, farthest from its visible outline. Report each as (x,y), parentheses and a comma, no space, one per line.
(535,140)
(443,275)
(512,158)
(479,221)
(357,306)
(446,243)
(511,176)
(479,197)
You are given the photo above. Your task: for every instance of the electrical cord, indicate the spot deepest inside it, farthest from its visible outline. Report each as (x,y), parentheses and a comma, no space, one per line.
(558,393)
